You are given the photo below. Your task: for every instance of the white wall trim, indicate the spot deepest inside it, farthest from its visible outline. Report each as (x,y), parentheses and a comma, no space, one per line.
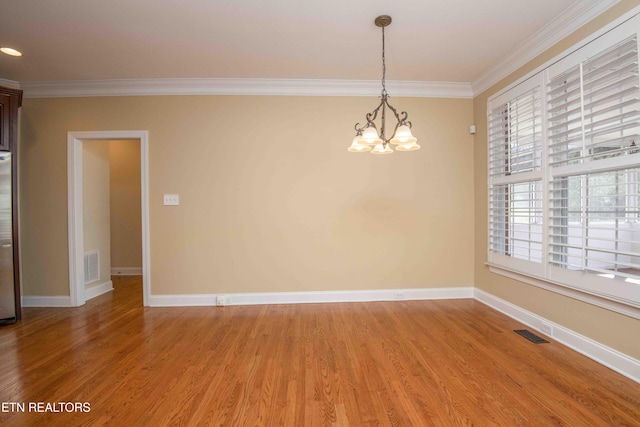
(9,83)
(619,362)
(126,271)
(293,87)
(46,301)
(75,220)
(580,13)
(96,290)
(581,295)
(75,209)
(311,297)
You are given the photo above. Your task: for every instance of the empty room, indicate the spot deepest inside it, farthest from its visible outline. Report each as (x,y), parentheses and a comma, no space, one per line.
(337,213)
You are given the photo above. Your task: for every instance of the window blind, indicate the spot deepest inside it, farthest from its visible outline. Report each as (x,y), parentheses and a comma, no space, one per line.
(515,135)
(515,220)
(596,223)
(594,114)
(594,107)
(564,170)
(515,147)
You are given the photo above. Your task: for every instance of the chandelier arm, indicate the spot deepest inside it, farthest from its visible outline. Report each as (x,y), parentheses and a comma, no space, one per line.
(373,114)
(399,120)
(383,119)
(395,129)
(395,112)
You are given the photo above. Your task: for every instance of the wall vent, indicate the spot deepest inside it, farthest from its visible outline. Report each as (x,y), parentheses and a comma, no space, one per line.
(91,267)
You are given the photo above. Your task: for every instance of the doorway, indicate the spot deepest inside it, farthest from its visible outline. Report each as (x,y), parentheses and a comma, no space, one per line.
(76,232)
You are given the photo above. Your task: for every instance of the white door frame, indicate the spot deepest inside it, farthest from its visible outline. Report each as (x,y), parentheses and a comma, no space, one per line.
(76,237)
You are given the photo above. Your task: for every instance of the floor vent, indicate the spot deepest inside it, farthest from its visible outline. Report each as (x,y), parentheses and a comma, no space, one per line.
(530,336)
(91,267)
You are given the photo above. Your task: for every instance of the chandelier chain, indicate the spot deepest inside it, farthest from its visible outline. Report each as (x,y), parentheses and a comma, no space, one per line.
(384,67)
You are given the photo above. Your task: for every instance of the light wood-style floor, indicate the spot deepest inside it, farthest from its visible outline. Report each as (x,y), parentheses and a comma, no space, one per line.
(411,363)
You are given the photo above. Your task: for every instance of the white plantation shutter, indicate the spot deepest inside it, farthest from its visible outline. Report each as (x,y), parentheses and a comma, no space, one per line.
(564,110)
(515,179)
(516,220)
(594,158)
(596,223)
(594,108)
(515,135)
(564,170)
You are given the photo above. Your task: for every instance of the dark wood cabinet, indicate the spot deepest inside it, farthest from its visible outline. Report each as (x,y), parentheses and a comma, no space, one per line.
(10,101)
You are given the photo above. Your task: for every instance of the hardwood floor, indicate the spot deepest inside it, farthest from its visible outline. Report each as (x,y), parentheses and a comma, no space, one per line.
(411,363)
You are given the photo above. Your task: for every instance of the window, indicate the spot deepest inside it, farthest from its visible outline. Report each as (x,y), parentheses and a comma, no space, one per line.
(515,135)
(595,221)
(515,175)
(564,171)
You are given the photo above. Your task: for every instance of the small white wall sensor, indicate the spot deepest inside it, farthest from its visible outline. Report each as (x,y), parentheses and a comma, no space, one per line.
(171,200)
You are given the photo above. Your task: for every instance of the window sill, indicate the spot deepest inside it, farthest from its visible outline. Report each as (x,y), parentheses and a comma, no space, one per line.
(578,294)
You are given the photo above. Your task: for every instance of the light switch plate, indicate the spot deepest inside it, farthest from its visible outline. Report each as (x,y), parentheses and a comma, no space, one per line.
(171,199)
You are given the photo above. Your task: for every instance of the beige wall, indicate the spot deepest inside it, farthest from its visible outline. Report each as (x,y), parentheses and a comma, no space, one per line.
(609,328)
(126,216)
(95,202)
(270,200)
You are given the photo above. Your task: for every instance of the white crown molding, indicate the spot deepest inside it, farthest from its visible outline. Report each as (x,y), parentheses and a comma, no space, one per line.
(619,362)
(10,83)
(296,87)
(580,13)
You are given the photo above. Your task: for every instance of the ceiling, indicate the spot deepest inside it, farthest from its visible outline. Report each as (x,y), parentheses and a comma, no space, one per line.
(429,40)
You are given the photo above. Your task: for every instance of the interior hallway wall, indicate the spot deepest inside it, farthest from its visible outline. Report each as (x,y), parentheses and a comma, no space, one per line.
(96,211)
(126,215)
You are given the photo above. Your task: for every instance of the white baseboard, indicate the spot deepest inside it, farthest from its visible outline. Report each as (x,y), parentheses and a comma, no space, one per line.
(311,297)
(64,301)
(619,362)
(94,291)
(46,301)
(126,271)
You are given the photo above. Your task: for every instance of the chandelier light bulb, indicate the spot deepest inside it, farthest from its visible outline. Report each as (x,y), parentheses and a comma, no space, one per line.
(403,135)
(359,139)
(408,146)
(382,149)
(357,145)
(370,136)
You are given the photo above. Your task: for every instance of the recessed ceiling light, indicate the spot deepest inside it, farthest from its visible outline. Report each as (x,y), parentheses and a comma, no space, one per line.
(10,51)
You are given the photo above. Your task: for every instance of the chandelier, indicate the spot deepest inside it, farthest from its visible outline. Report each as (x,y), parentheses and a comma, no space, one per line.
(368,136)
